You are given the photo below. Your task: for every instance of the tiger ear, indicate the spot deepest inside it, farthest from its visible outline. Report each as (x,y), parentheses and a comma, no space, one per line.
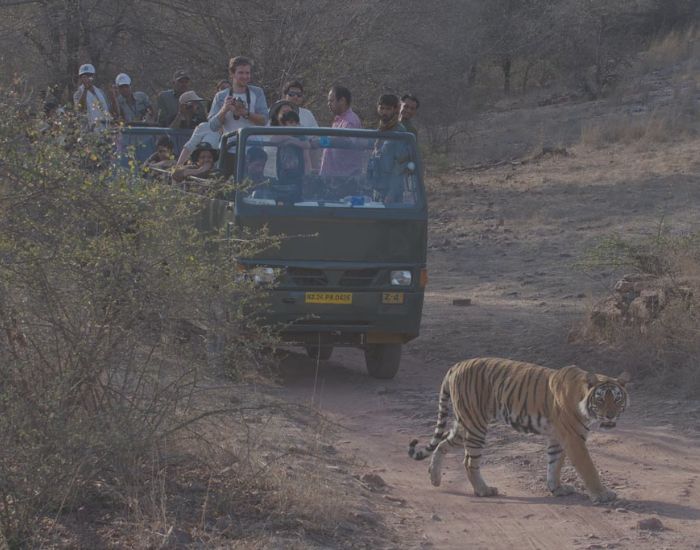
(624,378)
(591,379)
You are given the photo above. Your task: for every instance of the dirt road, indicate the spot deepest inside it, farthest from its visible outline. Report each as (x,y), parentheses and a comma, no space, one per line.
(651,464)
(508,239)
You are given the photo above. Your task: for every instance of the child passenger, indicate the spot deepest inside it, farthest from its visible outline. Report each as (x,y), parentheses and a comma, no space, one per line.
(291,118)
(163,158)
(202,162)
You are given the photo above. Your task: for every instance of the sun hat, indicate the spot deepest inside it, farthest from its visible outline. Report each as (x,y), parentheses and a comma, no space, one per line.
(191,95)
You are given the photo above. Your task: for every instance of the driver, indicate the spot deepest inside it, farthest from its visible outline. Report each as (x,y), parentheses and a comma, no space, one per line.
(256,159)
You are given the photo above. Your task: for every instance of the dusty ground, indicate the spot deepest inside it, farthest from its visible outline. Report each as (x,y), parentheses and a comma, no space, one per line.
(509,238)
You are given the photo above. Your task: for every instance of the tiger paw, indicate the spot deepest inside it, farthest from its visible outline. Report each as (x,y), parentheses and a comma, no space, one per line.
(563,490)
(435,477)
(605,496)
(486,491)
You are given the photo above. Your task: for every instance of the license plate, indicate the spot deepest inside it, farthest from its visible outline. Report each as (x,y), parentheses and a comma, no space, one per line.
(392,297)
(344,298)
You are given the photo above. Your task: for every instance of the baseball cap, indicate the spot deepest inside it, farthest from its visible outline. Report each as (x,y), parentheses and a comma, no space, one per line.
(86,69)
(189,96)
(122,80)
(180,74)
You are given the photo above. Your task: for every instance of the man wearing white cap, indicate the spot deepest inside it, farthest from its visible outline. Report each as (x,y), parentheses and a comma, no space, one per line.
(91,101)
(133,106)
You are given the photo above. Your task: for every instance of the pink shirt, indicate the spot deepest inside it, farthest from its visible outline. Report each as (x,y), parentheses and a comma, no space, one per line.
(342,162)
(347,120)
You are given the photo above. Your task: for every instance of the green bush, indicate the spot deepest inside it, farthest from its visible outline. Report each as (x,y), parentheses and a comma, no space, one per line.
(107,296)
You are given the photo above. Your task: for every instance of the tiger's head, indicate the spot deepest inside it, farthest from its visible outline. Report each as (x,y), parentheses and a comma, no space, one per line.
(605,399)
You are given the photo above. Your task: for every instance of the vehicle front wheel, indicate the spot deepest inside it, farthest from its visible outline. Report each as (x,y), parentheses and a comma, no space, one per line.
(383,360)
(323,353)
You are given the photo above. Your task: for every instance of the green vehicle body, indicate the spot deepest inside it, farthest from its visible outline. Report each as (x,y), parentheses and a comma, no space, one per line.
(333,267)
(343,251)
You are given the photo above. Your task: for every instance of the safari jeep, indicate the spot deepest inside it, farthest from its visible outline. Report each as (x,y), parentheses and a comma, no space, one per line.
(351,270)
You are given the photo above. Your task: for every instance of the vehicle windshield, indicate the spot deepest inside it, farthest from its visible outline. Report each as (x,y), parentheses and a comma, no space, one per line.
(311,171)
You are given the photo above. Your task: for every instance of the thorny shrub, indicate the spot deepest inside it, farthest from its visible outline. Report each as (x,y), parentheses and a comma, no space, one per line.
(661,340)
(106,299)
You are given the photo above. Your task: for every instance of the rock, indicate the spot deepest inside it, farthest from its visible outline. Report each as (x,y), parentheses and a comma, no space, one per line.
(462,302)
(346,527)
(373,481)
(366,517)
(396,500)
(624,286)
(180,537)
(650,524)
(621,510)
(330,449)
(435,517)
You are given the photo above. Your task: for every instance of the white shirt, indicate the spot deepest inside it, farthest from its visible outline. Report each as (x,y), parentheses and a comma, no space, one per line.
(202,133)
(96,107)
(230,123)
(307,118)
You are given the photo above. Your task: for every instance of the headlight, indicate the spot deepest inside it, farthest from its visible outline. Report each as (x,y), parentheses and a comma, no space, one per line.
(400,278)
(263,275)
(260,275)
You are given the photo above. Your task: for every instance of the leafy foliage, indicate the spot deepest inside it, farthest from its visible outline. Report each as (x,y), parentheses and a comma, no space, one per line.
(108,294)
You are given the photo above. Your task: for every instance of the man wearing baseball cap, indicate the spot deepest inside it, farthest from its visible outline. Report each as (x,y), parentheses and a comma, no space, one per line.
(190,109)
(90,101)
(168,104)
(132,106)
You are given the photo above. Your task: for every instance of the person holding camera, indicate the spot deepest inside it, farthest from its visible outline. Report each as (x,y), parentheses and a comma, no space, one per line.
(91,101)
(188,115)
(240,105)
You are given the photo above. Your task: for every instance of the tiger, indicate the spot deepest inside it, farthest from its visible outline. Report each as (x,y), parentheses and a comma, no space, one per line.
(562,404)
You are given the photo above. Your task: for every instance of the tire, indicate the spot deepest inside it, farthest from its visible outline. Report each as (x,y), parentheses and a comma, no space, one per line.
(383,360)
(323,353)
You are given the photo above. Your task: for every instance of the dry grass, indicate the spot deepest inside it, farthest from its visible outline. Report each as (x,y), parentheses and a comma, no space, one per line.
(657,96)
(261,476)
(663,124)
(676,47)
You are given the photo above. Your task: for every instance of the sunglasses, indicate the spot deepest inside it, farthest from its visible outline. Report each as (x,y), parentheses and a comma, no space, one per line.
(295,94)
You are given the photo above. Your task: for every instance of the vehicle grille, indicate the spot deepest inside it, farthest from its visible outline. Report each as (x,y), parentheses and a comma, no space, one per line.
(350,278)
(358,278)
(301,276)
